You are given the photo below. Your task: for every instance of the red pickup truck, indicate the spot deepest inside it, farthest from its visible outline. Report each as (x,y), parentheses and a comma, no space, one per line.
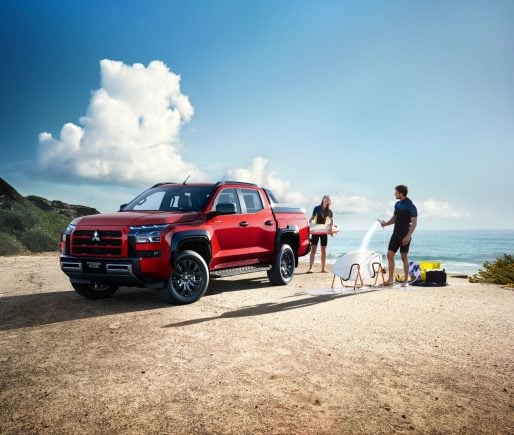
(174,237)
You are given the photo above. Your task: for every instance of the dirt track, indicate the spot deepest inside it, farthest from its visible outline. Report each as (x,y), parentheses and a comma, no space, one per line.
(250,358)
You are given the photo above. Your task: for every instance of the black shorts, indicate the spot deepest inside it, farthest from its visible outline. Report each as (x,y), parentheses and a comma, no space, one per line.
(316,237)
(396,242)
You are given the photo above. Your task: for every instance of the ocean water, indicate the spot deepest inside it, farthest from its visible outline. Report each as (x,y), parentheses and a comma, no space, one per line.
(459,251)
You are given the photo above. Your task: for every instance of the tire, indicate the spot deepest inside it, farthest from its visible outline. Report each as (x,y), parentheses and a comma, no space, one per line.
(282,271)
(95,290)
(188,281)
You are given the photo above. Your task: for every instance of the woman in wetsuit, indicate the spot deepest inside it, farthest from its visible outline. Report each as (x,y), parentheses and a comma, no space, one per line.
(320,214)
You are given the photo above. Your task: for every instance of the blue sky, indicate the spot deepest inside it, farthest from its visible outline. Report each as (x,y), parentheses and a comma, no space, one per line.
(345,98)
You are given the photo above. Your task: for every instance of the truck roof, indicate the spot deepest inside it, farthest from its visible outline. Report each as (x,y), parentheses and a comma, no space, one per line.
(219,183)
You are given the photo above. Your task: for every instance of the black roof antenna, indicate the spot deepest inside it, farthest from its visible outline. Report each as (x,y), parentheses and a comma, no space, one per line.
(187,178)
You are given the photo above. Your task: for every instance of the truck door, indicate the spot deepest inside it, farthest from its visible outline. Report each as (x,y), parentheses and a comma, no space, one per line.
(230,233)
(262,225)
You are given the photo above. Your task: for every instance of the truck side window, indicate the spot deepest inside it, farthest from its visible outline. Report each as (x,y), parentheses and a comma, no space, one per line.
(227,196)
(252,199)
(271,197)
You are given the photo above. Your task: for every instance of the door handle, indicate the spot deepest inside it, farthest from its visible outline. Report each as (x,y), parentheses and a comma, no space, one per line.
(269,223)
(243,224)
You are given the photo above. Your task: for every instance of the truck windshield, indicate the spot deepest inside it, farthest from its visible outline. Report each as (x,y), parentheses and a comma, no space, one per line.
(172,198)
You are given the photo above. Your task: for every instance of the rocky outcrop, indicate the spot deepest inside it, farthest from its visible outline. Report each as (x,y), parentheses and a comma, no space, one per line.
(70,210)
(32,223)
(9,196)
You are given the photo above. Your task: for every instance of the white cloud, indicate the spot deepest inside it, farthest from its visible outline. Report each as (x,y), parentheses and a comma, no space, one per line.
(433,208)
(351,204)
(130,134)
(259,173)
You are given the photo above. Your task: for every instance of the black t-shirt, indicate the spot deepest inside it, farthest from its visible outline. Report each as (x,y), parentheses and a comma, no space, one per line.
(404,210)
(321,214)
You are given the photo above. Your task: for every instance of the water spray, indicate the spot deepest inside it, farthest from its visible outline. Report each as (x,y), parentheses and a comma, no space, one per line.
(383,235)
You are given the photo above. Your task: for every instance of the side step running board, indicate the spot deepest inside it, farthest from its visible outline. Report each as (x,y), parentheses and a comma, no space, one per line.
(239,271)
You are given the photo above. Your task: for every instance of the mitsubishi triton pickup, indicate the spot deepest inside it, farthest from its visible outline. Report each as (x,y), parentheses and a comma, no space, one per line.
(175,237)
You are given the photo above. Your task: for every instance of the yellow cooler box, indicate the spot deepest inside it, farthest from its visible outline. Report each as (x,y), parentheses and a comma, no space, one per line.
(428,265)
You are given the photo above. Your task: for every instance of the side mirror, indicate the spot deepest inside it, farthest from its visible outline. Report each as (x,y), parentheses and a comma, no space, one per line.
(122,206)
(226,208)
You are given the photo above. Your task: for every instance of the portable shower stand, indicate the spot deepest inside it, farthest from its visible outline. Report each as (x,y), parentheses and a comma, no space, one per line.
(378,271)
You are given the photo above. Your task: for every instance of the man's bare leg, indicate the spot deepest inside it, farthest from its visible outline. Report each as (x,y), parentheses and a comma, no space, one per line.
(390,267)
(405,259)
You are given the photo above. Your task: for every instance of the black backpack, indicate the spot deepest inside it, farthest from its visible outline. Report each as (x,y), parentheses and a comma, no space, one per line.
(436,276)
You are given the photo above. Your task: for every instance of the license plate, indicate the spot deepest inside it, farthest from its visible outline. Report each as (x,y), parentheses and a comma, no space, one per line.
(93,266)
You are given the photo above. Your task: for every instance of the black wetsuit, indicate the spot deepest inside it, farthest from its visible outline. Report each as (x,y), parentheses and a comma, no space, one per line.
(321,218)
(404,210)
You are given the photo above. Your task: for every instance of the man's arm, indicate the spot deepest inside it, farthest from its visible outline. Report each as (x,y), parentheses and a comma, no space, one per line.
(389,222)
(413,223)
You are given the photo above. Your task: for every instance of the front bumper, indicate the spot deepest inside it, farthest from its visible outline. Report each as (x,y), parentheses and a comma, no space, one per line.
(127,272)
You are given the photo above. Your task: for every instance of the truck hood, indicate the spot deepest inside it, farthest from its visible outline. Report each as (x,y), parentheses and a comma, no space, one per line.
(135,218)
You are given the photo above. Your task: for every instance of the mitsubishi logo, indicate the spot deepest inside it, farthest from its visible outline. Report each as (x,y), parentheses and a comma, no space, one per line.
(96,236)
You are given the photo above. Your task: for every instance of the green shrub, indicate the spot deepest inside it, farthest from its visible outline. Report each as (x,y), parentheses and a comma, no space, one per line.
(26,226)
(9,245)
(17,219)
(38,239)
(50,221)
(500,271)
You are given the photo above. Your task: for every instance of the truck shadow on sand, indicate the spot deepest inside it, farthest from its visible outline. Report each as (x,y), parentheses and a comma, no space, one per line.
(38,309)
(35,309)
(220,285)
(265,308)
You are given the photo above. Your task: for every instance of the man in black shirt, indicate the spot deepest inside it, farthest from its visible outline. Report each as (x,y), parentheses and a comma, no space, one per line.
(405,220)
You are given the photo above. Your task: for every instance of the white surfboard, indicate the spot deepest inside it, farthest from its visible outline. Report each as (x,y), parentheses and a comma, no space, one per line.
(369,261)
(321,229)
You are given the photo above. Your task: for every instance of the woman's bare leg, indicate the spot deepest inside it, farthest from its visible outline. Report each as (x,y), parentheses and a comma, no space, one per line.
(311,259)
(323,258)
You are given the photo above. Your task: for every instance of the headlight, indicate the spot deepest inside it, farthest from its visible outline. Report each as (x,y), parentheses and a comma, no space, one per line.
(148,233)
(69,229)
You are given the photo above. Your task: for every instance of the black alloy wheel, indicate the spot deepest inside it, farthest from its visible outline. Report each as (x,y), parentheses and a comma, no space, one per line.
(189,279)
(282,271)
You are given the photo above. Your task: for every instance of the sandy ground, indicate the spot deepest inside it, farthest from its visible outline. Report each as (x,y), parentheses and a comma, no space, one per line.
(250,358)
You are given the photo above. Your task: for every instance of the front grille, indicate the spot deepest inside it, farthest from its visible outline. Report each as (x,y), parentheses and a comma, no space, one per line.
(103,233)
(103,242)
(97,242)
